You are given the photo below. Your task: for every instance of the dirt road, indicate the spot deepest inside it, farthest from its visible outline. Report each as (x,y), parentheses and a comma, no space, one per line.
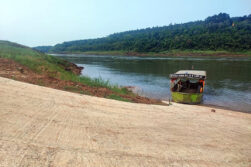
(46,127)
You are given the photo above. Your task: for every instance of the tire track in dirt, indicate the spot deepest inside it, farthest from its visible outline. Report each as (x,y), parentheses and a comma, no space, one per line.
(58,128)
(50,106)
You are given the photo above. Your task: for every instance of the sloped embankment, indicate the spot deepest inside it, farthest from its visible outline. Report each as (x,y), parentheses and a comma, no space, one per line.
(25,64)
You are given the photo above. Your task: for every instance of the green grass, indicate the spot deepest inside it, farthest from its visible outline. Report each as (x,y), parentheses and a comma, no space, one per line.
(72,88)
(53,66)
(41,82)
(76,90)
(116,97)
(34,60)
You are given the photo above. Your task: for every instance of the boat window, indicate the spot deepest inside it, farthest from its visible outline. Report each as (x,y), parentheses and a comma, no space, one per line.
(187,86)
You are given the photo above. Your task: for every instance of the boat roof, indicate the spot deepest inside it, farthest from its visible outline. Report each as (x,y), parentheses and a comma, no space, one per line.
(189,74)
(194,72)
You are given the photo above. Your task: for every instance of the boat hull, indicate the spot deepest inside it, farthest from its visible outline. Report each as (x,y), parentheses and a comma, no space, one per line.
(187,98)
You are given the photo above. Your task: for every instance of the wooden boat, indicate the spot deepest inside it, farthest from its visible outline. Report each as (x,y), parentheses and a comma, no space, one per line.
(187,86)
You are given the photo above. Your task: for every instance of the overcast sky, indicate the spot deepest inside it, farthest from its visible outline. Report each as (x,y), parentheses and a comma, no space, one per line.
(48,22)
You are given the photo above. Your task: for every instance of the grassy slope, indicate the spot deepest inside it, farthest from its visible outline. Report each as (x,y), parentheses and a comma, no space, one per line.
(43,63)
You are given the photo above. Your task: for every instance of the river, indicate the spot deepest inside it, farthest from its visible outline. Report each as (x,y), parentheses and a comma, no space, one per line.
(228,81)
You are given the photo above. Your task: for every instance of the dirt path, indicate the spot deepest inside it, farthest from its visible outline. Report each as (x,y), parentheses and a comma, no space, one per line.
(41,126)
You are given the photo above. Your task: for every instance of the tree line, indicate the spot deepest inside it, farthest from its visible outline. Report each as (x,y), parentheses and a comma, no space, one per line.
(218,32)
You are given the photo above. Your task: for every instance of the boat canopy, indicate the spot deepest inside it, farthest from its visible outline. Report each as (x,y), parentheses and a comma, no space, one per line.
(189,74)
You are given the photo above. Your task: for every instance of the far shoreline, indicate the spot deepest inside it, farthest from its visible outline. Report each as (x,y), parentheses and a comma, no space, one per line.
(164,54)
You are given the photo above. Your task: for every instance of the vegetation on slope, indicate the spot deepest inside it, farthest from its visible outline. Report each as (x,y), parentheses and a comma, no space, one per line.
(44,49)
(215,33)
(53,72)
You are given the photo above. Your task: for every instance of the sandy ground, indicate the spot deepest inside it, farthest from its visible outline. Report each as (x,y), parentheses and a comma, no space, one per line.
(41,126)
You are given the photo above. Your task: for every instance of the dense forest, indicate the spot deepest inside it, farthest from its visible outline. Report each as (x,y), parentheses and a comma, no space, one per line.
(44,49)
(218,32)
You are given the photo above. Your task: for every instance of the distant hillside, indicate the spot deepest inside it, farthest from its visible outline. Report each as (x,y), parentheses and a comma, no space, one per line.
(218,32)
(44,49)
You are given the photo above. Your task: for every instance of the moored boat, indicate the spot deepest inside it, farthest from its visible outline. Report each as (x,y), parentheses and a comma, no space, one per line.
(187,86)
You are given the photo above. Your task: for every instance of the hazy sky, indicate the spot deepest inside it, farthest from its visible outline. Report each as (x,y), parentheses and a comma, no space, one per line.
(48,22)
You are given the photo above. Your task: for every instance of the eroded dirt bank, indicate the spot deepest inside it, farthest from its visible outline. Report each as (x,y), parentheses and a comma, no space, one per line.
(16,71)
(41,126)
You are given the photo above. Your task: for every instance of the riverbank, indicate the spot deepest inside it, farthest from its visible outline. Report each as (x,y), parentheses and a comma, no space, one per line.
(47,127)
(28,65)
(13,70)
(199,53)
